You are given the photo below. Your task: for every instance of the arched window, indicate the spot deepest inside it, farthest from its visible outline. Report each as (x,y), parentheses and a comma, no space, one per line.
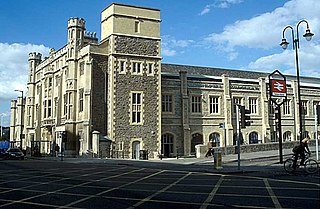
(196,139)
(167,145)
(215,138)
(253,138)
(287,136)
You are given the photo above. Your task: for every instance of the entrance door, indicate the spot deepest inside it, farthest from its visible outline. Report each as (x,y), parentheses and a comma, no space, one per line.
(196,139)
(135,149)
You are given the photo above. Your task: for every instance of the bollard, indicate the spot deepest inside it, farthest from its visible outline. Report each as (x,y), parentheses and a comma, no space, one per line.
(60,156)
(217,159)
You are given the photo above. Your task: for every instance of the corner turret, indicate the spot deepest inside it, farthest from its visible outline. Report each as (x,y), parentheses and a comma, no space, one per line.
(76,28)
(34,56)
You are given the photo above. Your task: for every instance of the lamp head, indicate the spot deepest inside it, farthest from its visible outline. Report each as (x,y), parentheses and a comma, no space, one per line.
(308,35)
(284,44)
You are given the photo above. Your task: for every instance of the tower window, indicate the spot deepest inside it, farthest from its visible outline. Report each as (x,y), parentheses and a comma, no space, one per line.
(122,66)
(136,68)
(136,108)
(137,27)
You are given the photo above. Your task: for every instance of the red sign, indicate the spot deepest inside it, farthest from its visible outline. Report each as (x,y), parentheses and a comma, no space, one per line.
(278,88)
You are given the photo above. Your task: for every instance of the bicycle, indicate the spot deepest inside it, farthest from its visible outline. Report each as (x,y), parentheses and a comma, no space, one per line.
(310,165)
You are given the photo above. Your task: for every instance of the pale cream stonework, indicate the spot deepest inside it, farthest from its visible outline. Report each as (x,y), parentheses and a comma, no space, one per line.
(84,90)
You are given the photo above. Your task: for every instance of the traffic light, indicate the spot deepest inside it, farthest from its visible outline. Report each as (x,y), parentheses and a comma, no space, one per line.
(318,113)
(245,117)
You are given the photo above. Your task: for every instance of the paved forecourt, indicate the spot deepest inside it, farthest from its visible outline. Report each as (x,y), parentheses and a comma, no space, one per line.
(54,184)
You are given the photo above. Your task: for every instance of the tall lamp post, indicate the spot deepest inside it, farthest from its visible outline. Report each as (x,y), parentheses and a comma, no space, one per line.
(295,40)
(1,132)
(21,117)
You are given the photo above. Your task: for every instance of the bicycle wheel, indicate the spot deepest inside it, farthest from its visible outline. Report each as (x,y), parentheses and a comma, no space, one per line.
(311,166)
(288,166)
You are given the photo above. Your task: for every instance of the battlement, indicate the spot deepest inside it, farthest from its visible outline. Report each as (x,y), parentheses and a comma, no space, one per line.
(76,22)
(89,34)
(90,37)
(34,56)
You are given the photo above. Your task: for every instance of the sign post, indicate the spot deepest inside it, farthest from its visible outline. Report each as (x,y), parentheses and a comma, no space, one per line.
(222,125)
(278,90)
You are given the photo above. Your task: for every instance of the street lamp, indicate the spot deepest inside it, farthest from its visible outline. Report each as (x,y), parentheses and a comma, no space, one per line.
(21,117)
(1,130)
(284,44)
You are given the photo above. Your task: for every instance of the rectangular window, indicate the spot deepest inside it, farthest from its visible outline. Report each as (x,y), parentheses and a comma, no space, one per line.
(136,68)
(137,27)
(286,108)
(70,101)
(136,108)
(29,116)
(150,68)
(253,105)
(236,102)
(50,82)
(120,146)
(315,103)
(166,103)
(304,107)
(81,68)
(45,108)
(196,104)
(49,108)
(56,103)
(65,101)
(214,104)
(122,66)
(81,100)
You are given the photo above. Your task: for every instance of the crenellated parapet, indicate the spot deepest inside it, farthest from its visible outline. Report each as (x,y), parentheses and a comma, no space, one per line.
(34,56)
(76,22)
(90,37)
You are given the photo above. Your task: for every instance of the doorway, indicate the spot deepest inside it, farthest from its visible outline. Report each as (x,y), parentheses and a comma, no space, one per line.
(135,149)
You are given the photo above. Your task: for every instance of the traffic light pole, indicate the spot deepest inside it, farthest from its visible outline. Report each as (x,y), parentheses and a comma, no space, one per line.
(279,130)
(238,133)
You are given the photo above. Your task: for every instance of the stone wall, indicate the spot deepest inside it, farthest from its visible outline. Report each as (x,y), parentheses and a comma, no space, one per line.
(148,131)
(99,67)
(263,147)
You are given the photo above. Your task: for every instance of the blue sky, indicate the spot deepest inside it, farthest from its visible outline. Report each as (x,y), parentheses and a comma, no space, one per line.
(233,34)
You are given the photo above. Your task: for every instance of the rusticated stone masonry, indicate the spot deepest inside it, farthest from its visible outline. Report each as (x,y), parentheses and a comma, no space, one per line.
(140,46)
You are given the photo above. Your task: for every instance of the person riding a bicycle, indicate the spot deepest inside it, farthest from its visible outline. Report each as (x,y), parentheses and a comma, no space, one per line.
(301,151)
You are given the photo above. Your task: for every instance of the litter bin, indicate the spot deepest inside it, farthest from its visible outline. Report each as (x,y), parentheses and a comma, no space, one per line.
(143,155)
(217,158)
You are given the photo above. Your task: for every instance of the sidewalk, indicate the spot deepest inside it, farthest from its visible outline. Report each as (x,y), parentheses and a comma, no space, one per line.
(262,161)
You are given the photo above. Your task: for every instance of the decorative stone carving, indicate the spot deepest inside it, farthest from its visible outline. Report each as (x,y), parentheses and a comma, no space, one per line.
(204,85)
(245,87)
(140,46)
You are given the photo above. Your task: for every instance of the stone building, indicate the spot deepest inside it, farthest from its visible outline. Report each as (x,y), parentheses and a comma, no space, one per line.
(114,97)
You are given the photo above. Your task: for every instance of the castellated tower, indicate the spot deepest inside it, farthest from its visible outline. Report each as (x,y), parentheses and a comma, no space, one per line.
(76,29)
(134,80)
(29,113)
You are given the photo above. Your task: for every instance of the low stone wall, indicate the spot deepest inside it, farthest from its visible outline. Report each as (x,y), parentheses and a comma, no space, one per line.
(252,148)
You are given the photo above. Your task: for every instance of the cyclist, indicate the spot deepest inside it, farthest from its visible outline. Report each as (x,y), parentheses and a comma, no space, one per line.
(300,151)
